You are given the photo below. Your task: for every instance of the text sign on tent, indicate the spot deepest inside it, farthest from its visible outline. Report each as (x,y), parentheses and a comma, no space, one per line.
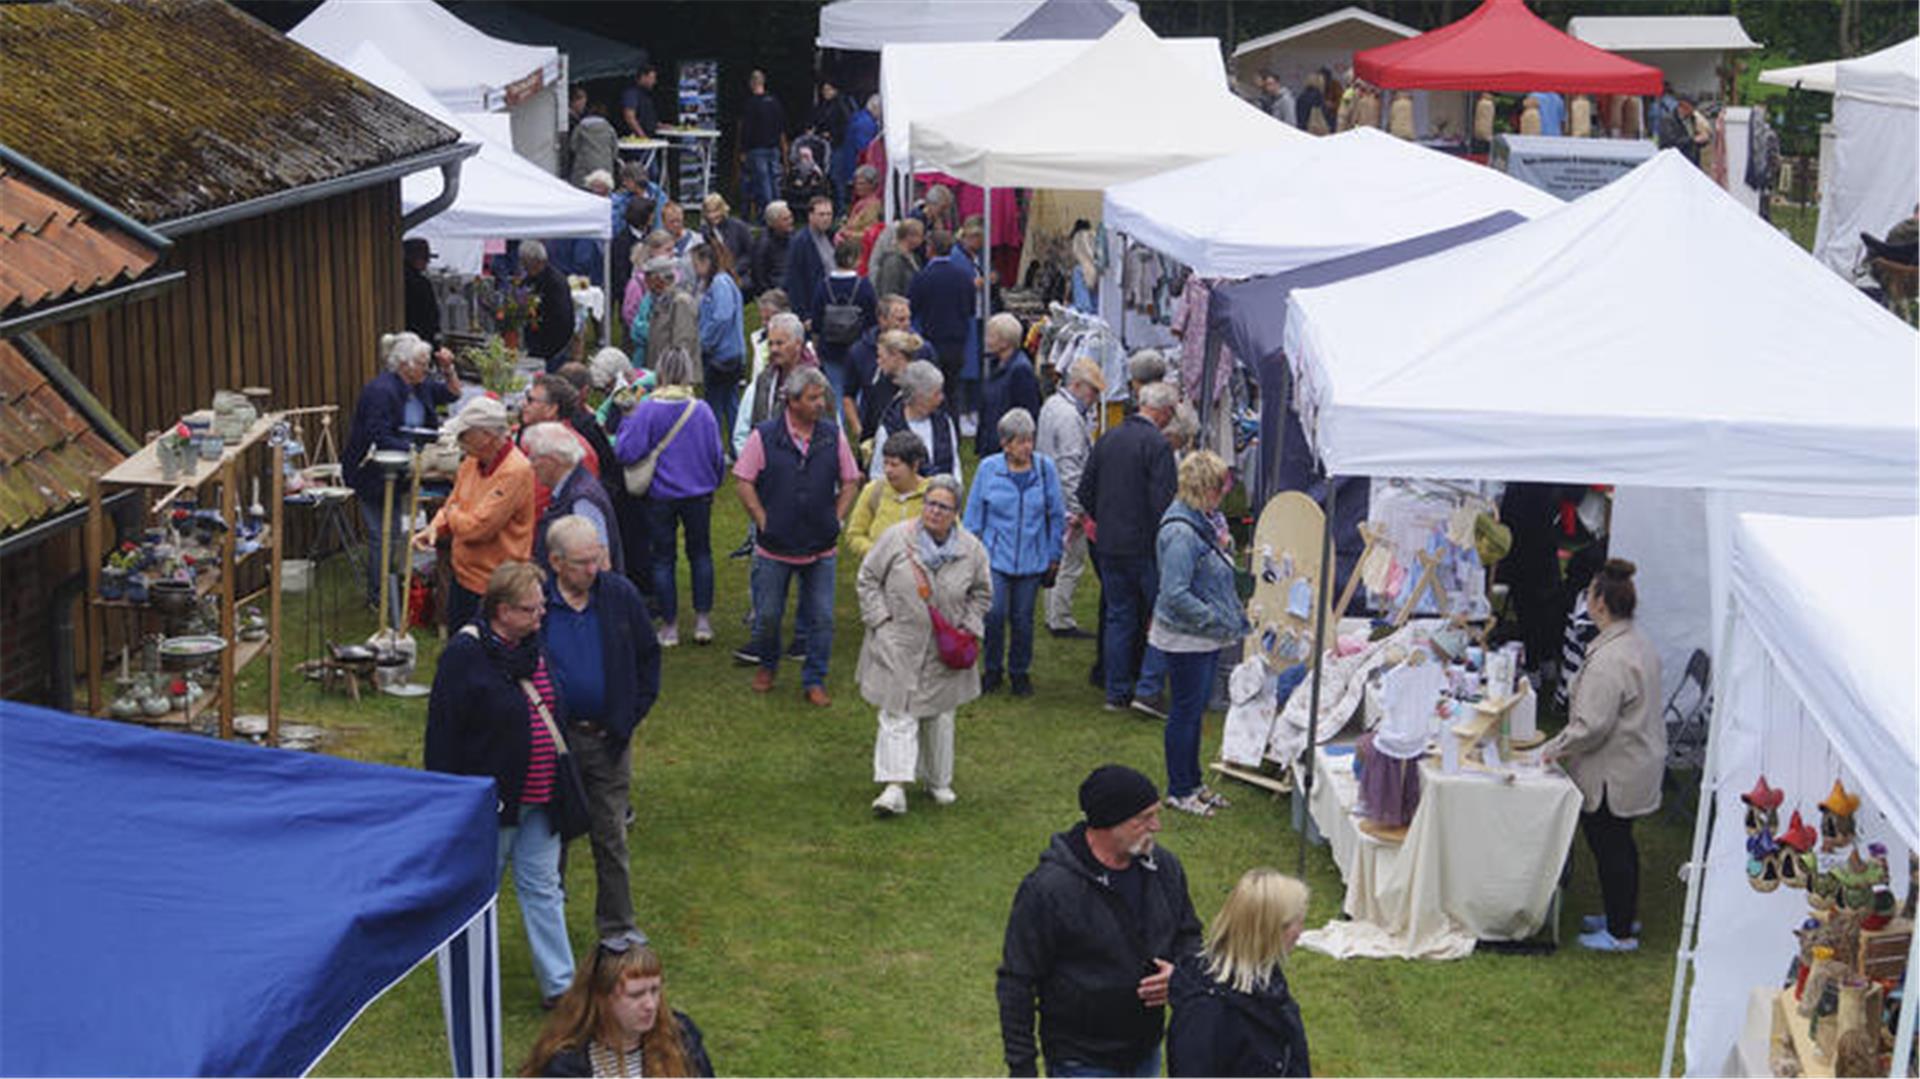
(172,905)
(1568,168)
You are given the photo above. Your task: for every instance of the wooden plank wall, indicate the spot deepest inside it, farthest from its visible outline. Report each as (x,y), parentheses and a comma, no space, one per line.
(295,301)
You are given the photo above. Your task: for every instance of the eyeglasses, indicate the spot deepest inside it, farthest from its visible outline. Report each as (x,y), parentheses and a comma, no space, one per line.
(940,506)
(527,608)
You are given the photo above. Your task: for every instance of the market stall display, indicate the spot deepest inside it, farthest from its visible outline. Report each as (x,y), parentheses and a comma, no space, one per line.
(1502,46)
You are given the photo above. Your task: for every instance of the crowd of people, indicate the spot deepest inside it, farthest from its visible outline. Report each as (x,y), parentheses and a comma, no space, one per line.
(840,422)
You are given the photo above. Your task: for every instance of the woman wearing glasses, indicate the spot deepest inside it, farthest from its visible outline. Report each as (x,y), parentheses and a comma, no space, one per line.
(484,719)
(615,1021)
(917,567)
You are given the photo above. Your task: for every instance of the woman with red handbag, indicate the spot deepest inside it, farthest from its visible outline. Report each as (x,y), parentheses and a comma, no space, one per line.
(924,592)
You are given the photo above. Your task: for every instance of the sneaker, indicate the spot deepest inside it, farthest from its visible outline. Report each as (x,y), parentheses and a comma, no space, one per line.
(797,649)
(1212,797)
(892,801)
(1117,704)
(1022,685)
(1604,941)
(1070,633)
(547,1004)
(746,656)
(702,629)
(1597,923)
(989,683)
(743,551)
(943,796)
(1191,803)
(1152,706)
(669,636)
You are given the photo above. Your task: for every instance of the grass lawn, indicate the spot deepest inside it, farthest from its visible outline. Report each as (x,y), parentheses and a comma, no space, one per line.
(807,938)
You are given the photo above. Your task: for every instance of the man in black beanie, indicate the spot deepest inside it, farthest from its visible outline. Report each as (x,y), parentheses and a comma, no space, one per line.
(1093,936)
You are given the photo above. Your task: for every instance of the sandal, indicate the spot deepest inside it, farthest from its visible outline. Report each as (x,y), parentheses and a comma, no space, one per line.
(1212,797)
(1192,803)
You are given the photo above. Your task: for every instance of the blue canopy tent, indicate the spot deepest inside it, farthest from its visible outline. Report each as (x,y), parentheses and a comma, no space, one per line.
(172,905)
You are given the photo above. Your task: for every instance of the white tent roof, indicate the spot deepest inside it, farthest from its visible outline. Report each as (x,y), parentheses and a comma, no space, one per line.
(918,81)
(1268,211)
(502,195)
(461,67)
(1661,33)
(1119,111)
(1806,76)
(1330,19)
(1833,602)
(1652,332)
(1888,77)
(871,25)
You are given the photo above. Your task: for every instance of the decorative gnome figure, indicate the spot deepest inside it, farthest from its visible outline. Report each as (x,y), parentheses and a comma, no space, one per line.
(1836,841)
(1763,816)
(1796,852)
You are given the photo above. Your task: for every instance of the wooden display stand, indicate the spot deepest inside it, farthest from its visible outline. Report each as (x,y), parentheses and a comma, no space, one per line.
(142,470)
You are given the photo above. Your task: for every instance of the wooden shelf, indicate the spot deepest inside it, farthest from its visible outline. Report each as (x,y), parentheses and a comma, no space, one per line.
(245,652)
(143,468)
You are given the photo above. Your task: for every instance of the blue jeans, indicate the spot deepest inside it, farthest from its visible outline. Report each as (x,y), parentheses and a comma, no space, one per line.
(723,396)
(534,848)
(1146,1067)
(1153,673)
(835,368)
(370,518)
(1191,676)
(695,515)
(1130,584)
(814,613)
(762,180)
(1013,597)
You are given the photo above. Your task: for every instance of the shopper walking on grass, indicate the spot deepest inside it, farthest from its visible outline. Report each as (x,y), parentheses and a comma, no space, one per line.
(1127,486)
(1065,435)
(1017,511)
(491,512)
(679,431)
(916,568)
(1195,614)
(1232,1011)
(896,496)
(1092,939)
(615,1020)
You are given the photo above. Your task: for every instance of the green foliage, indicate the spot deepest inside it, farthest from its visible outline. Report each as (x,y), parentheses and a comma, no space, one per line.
(807,938)
(497,365)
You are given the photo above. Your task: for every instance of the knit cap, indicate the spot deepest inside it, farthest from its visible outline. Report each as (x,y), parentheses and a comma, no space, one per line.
(1113,793)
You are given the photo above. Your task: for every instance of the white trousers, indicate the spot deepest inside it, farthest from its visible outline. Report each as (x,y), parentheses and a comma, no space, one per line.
(1073,562)
(914,747)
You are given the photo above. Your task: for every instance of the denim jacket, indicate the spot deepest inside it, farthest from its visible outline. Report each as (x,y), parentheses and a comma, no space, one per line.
(1197,596)
(1022,529)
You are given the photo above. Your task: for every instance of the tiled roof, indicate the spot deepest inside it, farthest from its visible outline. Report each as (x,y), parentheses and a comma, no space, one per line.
(168,108)
(48,451)
(53,249)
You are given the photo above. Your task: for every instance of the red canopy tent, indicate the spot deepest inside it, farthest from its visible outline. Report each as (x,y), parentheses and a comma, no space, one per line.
(1503,47)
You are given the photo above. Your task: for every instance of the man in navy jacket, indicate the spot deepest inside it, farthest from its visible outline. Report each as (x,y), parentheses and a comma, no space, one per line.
(942,298)
(400,396)
(1128,483)
(606,662)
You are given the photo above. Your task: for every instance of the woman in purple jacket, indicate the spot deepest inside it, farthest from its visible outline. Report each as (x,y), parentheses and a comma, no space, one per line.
(681,429)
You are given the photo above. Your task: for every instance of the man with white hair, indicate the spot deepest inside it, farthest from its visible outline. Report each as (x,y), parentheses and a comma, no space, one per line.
(600,640)
(674,319)
(1066,436)
(402,396)
(768,261)
(797,480)
(554,450)
(490,513)
(1128,483)
(551,331)
(786,353)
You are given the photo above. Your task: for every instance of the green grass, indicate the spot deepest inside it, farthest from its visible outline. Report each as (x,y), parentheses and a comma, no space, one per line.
(807,938)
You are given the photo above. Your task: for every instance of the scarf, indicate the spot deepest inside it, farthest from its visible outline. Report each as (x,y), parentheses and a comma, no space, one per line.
(933,553)
(516,661)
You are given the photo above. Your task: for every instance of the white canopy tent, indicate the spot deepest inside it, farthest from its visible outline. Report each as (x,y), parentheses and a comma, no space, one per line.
(462,68)
(502,195)
(1269,211)
(1120,110)
(1330,40)
(1818,681)
(1690,49)
(1875,182)
(871,25)
(1817,77)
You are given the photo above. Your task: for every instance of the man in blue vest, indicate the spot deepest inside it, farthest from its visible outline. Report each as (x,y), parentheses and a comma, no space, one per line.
(797,480)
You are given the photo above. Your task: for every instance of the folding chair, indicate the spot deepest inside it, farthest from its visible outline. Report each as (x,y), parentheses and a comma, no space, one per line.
(1687,733)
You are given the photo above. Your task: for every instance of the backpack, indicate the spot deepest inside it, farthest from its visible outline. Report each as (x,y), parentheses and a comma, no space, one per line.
(840,322)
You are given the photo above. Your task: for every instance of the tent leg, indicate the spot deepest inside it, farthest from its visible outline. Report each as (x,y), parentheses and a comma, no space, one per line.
(1903,1038)
(606,294)
(1305,786)
(1697,860)
(469,968)
(986,274)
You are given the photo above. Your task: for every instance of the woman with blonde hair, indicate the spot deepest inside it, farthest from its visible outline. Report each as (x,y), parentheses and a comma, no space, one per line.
(614,1020)
(1232,1012)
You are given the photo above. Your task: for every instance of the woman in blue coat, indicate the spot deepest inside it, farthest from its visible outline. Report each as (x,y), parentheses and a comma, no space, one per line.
(1018,512)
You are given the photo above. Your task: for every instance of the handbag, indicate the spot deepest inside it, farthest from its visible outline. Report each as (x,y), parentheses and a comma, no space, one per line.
(840,322)
(958,649)
(569,806)
(639,475)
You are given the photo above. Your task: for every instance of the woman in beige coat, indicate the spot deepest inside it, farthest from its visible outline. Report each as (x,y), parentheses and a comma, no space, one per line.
(1615,748)
(901,672)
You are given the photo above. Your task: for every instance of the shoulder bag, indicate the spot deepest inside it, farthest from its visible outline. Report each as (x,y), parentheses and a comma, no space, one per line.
(569,806)
(958,648)
(640,473)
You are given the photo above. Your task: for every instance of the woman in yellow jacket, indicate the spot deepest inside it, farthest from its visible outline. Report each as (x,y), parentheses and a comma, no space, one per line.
(896,496)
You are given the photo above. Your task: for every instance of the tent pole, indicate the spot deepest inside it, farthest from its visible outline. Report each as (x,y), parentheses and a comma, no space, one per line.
(1696,861)
(1319,660)
(606,294)
(986,276)
(1903,1038)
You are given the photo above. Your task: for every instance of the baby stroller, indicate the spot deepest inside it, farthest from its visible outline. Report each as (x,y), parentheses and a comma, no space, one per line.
(807,172)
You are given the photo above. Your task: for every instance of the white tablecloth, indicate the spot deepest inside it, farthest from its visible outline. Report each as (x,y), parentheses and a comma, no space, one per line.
(1480,862)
